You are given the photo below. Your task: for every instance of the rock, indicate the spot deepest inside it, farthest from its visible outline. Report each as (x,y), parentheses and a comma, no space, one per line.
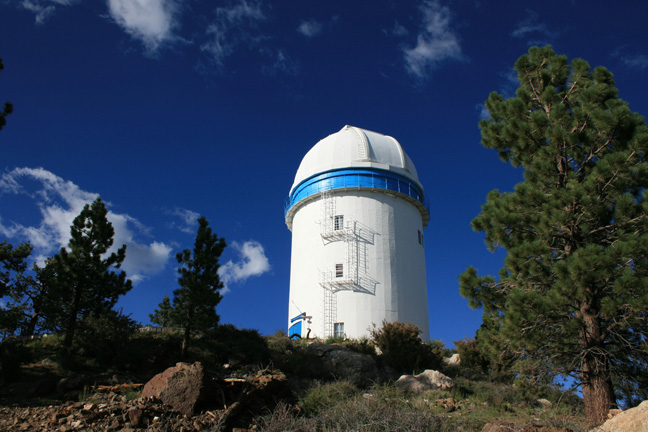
(181,387)
(435,379)
(614,412)
(545,403)
(632,420)
(426,380)
(74,383)
(360,370)
(454,360)
(135,416)
(410,384)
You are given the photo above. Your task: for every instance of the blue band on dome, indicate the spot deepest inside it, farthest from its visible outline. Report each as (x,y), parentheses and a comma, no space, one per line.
(366,178)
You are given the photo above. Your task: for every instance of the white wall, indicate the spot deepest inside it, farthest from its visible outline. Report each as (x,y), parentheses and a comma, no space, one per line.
(392,256)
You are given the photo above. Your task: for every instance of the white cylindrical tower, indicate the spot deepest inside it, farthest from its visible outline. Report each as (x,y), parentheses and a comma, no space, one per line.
(357,212)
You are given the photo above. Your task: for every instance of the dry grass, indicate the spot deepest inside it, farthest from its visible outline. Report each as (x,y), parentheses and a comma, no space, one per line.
(338,406)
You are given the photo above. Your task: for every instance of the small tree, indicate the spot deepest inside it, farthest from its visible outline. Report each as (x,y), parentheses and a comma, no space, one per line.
(194,303)
(164,315)
(15,287)
(403,348)
(572,292)
(81,280)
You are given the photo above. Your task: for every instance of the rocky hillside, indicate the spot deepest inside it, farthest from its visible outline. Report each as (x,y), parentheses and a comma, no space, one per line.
(295,386)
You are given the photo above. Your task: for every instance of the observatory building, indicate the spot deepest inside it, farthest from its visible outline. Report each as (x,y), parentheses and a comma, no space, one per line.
(357,212)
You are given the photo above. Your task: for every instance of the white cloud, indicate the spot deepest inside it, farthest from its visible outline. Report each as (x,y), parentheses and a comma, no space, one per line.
(436,42)
(530,25)
(41,11)
(483,111)
(638,61)
(150,21)
(279,62)
(252,262)
(244,10)
(44,9)
(233,26)
(310,28)
(399,30)
(59,201)
(188,219)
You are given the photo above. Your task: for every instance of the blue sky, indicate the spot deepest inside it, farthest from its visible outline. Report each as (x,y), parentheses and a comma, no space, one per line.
(171,109)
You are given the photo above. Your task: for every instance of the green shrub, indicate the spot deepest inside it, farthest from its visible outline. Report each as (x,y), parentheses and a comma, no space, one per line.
(100,342)
(362,346)
(403,349)
(474,361)
(224,342)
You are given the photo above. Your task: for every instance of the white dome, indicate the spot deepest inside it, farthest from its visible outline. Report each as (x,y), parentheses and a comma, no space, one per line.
(354,147)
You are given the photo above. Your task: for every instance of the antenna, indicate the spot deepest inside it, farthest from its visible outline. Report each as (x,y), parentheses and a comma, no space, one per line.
(300,311)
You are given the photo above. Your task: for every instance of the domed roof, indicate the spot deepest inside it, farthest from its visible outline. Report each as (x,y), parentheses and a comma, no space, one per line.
(353,147)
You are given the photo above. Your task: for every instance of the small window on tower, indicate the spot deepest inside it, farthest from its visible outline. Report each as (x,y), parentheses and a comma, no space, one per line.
(338,222)
(338,330)
(420,238)
(339,270)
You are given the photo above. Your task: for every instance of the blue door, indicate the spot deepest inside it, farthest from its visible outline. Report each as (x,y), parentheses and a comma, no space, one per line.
(295,330)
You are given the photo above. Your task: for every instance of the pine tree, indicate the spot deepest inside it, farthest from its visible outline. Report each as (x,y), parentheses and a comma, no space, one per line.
(573,291)
(164,315)
(13,283)
(81,280)
(12,264)
(194,303)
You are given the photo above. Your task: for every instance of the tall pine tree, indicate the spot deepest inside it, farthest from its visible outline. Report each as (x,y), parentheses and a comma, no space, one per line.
(573,291)
(194,303)
(82,279)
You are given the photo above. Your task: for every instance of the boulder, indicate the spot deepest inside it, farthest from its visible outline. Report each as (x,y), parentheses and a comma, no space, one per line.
(360,370)
(454,360)
(181,387)
(426,380)
(435,379)
(410,384)
(545,403)
(632,420)
(71,384)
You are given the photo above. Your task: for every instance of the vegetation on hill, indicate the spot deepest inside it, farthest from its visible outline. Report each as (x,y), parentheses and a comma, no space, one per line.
(321,401)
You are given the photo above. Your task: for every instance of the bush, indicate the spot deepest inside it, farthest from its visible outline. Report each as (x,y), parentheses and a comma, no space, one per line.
(100,342)
(403,348)
(226,341)
(474,362)
(362,346)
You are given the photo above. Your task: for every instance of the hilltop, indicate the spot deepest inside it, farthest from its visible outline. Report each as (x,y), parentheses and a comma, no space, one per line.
(267,383)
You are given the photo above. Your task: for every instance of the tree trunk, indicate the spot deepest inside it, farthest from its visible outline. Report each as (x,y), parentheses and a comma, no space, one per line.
(185,342)
(72,318)
(596,381)
(30,328)
(598,397)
